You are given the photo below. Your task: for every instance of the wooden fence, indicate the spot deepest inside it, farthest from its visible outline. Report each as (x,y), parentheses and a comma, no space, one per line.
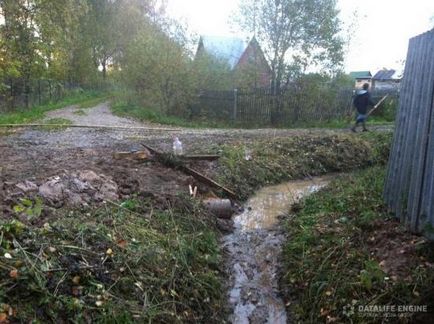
(16,93)
(294,105)
(409,188)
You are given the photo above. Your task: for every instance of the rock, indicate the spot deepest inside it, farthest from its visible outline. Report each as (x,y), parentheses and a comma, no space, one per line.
(89,176)
(79,186)
(74,199)
(109,190)
(52,190)
(27,186)
(225,225)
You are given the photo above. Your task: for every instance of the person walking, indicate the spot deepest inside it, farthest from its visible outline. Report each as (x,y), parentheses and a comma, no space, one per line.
(362,101)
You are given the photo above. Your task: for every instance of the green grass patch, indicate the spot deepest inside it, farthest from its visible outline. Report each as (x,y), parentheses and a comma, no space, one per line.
(276,160)
(56,124)
(340,123)
(80,112)
(23,115)
(345,252)
(132,262)
(93,101)
(124,109)
(147,114)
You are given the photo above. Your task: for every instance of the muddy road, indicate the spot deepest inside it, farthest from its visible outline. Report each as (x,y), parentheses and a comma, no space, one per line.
(39,154)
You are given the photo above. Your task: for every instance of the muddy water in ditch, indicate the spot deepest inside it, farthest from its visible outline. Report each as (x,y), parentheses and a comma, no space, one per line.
(254,251)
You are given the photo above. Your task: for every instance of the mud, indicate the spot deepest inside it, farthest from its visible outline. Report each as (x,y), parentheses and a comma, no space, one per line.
(37,155)
(254,250)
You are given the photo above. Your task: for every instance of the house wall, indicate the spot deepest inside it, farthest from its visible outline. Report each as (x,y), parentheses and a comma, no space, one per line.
(360,82)
(252,70)
(385,85)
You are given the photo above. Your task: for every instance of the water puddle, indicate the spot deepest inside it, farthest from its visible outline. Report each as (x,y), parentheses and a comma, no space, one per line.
(254,248)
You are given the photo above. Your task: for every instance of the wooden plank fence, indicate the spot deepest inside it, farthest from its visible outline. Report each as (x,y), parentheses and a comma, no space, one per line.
(293,105)
(262,107)
(17,93)
(409,187)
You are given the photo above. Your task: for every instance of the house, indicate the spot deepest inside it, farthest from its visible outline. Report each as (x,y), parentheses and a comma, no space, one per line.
(386,80)
(245,60)
(360,78)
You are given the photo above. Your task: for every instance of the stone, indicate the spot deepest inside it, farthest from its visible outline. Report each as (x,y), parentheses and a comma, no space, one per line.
(52,190)
(27,186)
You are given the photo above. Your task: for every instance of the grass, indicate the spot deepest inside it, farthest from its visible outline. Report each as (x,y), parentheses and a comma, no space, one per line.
(55,122)
(80,112)
(23,116)
(344,251)
(281,159)
(126,263)
(147,114)
(124,109)
(340,123)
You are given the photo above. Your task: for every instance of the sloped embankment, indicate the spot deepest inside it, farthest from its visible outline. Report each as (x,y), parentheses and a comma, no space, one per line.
(245,167)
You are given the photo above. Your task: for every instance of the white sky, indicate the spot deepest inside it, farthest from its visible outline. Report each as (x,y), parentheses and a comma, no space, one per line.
(381,40)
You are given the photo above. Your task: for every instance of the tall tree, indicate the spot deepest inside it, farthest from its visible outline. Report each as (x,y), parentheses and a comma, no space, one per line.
(294,33)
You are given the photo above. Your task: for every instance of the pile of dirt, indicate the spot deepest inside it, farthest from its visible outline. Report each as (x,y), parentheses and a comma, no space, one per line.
(76,189)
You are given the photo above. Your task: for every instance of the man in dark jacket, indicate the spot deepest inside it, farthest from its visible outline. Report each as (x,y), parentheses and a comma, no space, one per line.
(361,101)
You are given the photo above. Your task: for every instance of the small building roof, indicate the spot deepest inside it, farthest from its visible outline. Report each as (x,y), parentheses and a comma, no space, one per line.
(228,49)
(384,75)
(361,75)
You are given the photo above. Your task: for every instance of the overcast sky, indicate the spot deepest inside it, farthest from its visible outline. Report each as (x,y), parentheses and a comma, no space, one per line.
(381,40)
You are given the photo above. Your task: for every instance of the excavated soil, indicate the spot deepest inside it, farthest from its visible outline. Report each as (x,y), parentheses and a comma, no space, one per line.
(54,159)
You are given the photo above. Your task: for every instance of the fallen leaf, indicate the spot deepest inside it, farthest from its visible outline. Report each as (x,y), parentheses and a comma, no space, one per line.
(75,291)
(109,251)
(324,312)
(122,243)
(76,280)
(13,273)
(3,318)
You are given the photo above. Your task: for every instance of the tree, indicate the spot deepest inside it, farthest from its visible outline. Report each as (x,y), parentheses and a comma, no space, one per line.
(158,68)
(298,33)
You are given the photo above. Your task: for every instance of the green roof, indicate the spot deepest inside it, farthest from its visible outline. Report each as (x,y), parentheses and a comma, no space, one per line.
(361,74)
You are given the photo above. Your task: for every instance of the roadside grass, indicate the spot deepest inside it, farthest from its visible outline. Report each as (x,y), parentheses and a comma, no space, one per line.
(127,263)
(344,253)
(147,114)
(281,159)
(94,101)
(55,122)
(124,109)
(23,115)
(80,112)
(340,123)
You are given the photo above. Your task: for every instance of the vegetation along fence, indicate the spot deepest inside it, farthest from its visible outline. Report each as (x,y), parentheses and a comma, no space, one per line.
(409,188)
(18,93)
(292,105)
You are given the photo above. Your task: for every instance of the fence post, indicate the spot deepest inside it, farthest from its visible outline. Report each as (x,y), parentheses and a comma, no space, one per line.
(39,92)
(235,104)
